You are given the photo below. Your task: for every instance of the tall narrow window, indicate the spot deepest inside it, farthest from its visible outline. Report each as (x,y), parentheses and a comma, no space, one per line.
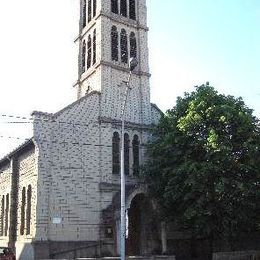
(116,153)
(84,13)
(89,10)
(132,12)
(114,44)
(126,153)
(7,215)
(123,46)
(89,53)
(123,8)
(2,215)
(136,145)
(83,57)
(114,6)
(94,46)
(133,45)
(28,211)
(94,8)
(23,212)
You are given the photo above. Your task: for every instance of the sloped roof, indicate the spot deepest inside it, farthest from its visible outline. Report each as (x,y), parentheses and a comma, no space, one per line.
(29,142)
(68,106)
(18,150)
(157,108)
(76,102)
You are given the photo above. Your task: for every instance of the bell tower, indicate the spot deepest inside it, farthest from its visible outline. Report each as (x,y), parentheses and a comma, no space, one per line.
(111,32)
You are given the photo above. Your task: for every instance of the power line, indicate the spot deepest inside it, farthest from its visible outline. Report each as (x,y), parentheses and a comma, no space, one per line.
(15,138)
(49,120)
(76,143)
(17,117)
(13,122)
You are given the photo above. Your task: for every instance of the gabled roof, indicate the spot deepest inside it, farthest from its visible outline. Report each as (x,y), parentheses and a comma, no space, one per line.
(21,148)
(157,108)
(30,142)
(77,102)
(67,107)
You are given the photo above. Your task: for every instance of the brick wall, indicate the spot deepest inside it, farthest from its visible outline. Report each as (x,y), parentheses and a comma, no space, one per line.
(72,156)
(5,190)
(27,172)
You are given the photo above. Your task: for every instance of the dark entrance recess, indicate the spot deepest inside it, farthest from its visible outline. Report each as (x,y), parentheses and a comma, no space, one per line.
(133,242)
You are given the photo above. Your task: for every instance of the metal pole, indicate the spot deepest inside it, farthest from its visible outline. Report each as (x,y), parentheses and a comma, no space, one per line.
(122,173)
(123,222)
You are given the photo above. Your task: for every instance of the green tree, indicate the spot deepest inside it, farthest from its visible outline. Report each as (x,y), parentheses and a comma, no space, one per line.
(204,167)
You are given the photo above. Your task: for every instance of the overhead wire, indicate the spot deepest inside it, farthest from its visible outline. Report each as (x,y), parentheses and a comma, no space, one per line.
(47,120)
(13,137)
(14,122)
(62,142)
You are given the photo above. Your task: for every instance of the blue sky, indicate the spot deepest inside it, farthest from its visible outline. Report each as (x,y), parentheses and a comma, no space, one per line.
(194,41)
(190,42)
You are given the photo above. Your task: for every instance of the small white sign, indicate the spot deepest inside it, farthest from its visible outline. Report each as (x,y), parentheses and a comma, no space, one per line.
(56,220)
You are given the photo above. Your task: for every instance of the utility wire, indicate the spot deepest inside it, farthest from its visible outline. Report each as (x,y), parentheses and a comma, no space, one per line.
(17,117)
(10,122)
(15,138)
(38,121)
(76,143)
(49,120)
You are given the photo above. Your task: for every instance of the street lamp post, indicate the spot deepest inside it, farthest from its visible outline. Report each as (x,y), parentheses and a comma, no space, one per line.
(132,64)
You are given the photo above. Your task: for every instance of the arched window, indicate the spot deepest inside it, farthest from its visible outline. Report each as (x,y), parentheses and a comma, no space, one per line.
(89,10)
(126,152)
(89,53)
(116,153)
(114,6)
(84,13)
(132,12)
(94,46)
(123,8)
(136,145)
(2,215)
(123,46)
(133,45)
(7,215)
(83,57)
(28,211)
(114,43)
(94,8)
(23,212)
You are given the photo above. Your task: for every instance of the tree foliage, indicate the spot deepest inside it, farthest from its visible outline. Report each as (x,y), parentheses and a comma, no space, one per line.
(205,161)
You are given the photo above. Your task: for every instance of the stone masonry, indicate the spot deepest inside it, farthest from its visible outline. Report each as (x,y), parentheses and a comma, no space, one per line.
(59,195)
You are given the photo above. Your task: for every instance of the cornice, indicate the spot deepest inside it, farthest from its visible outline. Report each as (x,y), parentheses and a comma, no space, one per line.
(126,21)
(93,69)
(116,123)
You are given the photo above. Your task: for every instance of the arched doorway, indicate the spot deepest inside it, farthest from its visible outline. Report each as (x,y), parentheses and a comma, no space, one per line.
(135,226)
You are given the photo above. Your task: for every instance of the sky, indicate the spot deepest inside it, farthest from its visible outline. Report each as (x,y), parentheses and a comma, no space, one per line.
(190,42)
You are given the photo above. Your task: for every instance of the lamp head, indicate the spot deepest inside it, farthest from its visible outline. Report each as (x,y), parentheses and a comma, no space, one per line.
(132,63)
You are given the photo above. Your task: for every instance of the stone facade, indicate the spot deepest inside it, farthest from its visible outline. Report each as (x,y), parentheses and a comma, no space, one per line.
(18,172)
(60,197)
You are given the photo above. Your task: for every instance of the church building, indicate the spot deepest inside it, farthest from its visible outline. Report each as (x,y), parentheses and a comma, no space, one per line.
(60,190)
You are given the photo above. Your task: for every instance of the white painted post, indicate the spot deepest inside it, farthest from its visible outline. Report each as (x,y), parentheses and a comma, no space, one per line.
(132,64)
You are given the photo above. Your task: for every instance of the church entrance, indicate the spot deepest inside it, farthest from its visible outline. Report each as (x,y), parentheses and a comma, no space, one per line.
(135,226)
